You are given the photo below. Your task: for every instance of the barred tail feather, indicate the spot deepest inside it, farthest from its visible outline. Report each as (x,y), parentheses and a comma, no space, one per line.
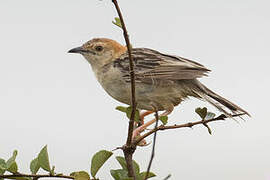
(218,101)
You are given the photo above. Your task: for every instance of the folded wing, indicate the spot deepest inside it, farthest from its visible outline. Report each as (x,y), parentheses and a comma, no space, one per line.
(152,65)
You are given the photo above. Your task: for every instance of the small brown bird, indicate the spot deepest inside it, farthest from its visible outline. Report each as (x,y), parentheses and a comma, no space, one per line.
(162,81)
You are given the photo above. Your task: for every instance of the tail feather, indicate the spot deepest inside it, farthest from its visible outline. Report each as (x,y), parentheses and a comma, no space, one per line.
(218,101)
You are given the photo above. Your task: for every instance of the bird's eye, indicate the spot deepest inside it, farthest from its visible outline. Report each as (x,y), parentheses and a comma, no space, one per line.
(98,48)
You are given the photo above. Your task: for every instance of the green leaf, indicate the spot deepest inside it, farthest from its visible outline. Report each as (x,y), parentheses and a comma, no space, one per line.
(201,112)
(123,164)
(3,166)
(137,114)
(98,160)
(210,115)
(121,108)
(53,171)
(119,174)
(43,159)
(80,175)
(128,111)
(143,175)
(34,166)
(117,22)
(136,167)
(13,168)
(163,119)
(12,158)
(72,174)
(11,165)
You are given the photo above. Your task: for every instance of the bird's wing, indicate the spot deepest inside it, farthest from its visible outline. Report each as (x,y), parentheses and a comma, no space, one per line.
(153,65)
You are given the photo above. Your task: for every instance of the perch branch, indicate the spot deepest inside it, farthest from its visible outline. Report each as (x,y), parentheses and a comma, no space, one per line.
(190,124)
(128,148)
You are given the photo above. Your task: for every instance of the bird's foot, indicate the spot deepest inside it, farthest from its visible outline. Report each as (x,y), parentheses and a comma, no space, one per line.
(137,134)
(140,128)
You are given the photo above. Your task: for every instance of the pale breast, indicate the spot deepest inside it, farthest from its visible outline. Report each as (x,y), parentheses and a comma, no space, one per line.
(159,95)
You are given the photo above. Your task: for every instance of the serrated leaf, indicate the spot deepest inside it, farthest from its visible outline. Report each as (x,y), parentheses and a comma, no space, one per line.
(143,175)
(121,108)
(117,22)
(11,165)
(43,159)
(201,112)
(137,114)
(98,160)
(163,119)
(80,175)
(122,162)
(34,166)
(119,174)
(210,115)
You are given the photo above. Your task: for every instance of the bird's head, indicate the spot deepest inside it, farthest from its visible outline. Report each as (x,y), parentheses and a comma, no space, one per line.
(100,51)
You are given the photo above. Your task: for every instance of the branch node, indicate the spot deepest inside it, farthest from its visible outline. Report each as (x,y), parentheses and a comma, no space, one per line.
(128,149)
(190,125)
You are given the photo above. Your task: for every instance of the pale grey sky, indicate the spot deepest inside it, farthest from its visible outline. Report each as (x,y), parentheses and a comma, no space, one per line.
(48,96)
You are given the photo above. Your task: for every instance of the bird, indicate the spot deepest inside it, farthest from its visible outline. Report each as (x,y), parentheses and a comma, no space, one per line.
(162,81)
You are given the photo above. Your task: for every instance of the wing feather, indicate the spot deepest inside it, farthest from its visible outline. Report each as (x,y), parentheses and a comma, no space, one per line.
(153,65)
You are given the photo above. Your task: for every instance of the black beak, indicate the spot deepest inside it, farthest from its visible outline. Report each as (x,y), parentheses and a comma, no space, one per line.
(76,50)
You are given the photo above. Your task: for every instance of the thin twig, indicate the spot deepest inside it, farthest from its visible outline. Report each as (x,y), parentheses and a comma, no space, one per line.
(153,147)
(190,124)
(35,176)
(129,148)
(167,177)
(132,74)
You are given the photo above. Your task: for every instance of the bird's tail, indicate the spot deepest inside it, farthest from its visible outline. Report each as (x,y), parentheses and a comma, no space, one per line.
(216,100)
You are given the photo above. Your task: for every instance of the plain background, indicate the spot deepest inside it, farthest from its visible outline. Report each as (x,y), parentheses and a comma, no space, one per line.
(48,96)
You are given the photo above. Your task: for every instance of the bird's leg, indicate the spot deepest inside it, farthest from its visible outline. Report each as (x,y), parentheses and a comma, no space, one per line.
(142,115)
(141,128)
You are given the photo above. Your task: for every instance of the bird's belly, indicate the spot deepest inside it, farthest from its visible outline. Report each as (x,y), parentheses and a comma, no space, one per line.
(148,97)
(156,97)
(161,96)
